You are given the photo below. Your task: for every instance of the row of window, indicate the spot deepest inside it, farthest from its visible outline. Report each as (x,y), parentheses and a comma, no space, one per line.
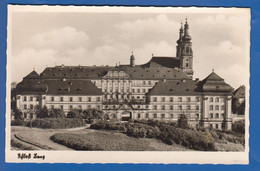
(171,99)
(73,107)
(216,116)
(31,98)
(71,99)
(180,107)
(155,115)
(28,107)
(216,126)
(216,99)
(211,107)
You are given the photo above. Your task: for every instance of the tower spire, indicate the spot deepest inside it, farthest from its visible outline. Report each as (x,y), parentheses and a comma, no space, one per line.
(132,60)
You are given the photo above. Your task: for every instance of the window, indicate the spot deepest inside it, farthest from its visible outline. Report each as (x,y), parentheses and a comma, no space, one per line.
(98,99)
(171,107)
(154,115)
(197,99)
(52,106)
(80,99)
(155,107)
(217,107)
(80,107)
(211,107)
(188,99)
(147,115)
(163,99)
(105,90)
(71,107)
(138,106)
(216,126)
(187,65)
(163,107)
(155,99)
(211,126)
(138,90)
(171,99)
(188,107)
(147,106)
(52,99)
(89,99)
(171,115)
(222,115)
(24,106)
(197,107)
(163,116)
(211,115)
(211,99)
(217,115)
(31,107)
(144,82)
(61,99)
(197,116)
(89,106)
(114,106)
(106,106)
(31,99)
(133,90)
(61,107)
(180,99)
(114,116)
(222,107)
(37,98)
(180,107)
(98,106)
(71,99)
(25,98)
(122,89)
(149,82)
(143,90)
(217,100)
(138,115)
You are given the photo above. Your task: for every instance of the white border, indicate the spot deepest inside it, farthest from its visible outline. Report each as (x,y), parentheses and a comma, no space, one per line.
(116,156)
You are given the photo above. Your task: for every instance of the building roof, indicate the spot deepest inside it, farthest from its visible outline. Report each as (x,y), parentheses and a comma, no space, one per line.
(32,75)
(156,69)
(31,86)
(174,87)
(75,72)
(141,73)
(240,92)
(72,87)
(214,83)
(157,62)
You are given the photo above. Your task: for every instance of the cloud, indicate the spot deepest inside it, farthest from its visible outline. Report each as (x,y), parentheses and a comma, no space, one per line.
(61,39)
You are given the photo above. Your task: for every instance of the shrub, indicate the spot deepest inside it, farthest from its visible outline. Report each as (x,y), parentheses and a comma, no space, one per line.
(41,112)
(57,123)
(183,121)
(19,122)
(239,126)
(56,113)
(18,114)
(92,115)
(189,138)
(75,114)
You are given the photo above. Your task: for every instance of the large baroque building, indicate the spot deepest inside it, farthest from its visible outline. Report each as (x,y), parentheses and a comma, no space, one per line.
(161,89)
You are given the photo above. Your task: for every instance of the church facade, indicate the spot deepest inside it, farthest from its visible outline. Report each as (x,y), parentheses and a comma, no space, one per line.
(160,89)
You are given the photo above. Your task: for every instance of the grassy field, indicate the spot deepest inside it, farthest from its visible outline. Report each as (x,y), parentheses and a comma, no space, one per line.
(110,141)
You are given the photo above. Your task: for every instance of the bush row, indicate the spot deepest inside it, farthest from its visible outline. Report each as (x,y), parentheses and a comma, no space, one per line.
(58,123)
(166,132)
(51,123)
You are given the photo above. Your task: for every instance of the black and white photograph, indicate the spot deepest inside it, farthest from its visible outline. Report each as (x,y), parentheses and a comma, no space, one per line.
(127,84)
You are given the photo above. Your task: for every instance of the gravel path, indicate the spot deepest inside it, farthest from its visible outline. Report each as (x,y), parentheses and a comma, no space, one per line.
(42,136)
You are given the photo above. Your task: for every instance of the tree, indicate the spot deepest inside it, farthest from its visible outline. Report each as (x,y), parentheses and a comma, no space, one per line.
(41,112)
(183,121)
(93,114)
(18,114)
(56,113)
(74,113)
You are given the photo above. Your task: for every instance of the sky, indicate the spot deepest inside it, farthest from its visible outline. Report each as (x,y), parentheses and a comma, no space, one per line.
(38,39)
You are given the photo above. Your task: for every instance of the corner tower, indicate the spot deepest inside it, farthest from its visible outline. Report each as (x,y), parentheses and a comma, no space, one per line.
(184,50)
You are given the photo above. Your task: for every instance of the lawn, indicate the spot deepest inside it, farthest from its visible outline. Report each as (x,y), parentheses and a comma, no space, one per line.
(110,141)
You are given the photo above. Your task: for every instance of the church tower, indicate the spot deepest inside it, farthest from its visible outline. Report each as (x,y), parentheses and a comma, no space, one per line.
(132,60)
(184,50)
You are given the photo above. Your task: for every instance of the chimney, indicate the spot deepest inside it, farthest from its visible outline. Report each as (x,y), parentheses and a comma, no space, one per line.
(164,80)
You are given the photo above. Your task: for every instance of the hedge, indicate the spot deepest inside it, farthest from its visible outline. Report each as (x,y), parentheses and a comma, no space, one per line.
(58,123)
